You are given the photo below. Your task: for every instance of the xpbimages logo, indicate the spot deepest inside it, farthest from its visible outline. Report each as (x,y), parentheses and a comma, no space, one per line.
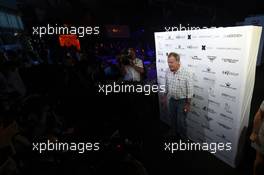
(81,31)
(80,147)
(146,89)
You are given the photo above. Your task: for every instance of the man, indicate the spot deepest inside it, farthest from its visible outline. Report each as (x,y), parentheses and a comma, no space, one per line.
(136,65)
(179,91)
(257,137)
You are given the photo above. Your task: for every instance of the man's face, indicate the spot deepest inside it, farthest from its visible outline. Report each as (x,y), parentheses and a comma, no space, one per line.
(132,53)
(173,64)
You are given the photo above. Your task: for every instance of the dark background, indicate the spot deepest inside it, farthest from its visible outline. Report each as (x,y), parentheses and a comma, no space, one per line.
(94,116)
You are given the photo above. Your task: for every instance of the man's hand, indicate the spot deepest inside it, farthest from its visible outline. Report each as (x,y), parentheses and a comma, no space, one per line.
(164,100)
(254,137)
(138,69)
(186,107)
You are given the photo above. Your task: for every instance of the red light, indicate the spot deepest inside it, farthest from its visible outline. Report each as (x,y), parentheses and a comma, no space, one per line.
(69,40)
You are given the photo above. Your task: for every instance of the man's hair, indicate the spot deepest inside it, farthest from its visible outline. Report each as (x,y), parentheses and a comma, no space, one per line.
(175,55)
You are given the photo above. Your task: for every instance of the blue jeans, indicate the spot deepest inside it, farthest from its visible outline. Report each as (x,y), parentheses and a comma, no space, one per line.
(177,117)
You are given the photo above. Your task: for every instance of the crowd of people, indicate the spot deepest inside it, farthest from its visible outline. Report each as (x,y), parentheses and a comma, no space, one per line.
(45,97)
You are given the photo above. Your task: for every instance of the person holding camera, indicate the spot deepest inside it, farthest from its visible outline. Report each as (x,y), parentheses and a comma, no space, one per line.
(131,67)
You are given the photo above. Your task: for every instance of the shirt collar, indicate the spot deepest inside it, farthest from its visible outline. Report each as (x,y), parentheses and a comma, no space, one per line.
(178,71)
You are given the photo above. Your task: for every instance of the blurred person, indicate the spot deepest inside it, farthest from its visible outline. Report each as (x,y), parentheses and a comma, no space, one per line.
(136,65)
(125,68)
(257,137)
(14,80)
(8,130)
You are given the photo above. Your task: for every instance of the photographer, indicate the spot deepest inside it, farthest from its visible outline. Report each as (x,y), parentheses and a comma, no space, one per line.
(131,67)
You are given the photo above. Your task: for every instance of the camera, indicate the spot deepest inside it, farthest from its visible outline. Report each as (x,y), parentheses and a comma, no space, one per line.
(124,58)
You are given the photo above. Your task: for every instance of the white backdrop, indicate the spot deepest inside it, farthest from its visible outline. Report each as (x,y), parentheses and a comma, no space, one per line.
(223,62)
(257,21)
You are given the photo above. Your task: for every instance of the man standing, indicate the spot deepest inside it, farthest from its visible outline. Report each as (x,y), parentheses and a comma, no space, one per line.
(179,91)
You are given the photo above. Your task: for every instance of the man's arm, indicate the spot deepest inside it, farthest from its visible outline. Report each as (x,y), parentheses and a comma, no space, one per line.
(166,83)
(257,121)
(138,67)
(257,124)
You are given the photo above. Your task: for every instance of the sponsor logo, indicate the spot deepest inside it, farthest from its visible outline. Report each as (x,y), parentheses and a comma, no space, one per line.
(179,47)
(209,80)
(198,87)
(211,58)
(162,77)
(233,35)
(195,113)
(228,48)
(160,53)
(180,37)
(227,108)
(161,61)
(207,127)
(189,36)
(205,108)
(196,58)
(228,97)
(229,60)
(169,37)
(213,102)
(168,45)
(194,105)
(226,117)
(205,47)
(159,37)
(192,66)
(162,70)
(208,70)
(211,91)
(198,97)
(192,47)
(228,85)
(208,118)
(224,126)
(229,73)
